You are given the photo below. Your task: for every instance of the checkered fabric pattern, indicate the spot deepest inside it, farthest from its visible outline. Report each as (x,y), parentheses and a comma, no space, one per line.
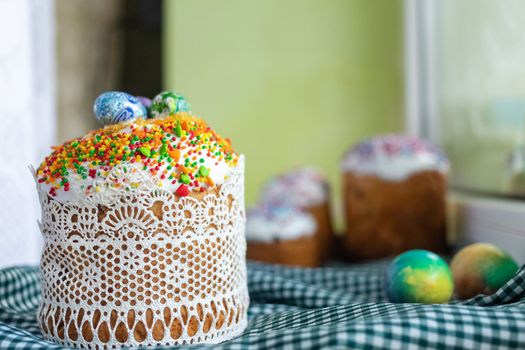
(333,307)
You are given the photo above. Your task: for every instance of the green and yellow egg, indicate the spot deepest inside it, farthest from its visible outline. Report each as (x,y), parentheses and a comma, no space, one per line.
(419,276)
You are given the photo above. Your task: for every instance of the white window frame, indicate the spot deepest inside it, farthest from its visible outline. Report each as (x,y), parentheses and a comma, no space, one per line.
(472,217)
(421,100)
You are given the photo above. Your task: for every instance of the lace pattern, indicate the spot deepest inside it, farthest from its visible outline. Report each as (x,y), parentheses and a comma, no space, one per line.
(148,269)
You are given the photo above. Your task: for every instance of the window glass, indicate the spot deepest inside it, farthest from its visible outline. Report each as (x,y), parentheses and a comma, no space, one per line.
(481,72)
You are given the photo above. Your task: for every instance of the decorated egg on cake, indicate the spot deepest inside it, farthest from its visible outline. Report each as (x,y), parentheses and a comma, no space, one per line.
(145,102)
(419,276)
(115,107)
(168,103)
(481,268)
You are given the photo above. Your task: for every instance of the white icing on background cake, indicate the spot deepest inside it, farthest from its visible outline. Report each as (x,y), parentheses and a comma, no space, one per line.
(301,187)
(268,223)
(394,157)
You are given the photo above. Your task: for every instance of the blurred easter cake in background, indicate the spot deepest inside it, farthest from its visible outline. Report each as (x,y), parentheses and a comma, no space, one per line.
(307,189)
(282,234)
(292,224)
(394,197)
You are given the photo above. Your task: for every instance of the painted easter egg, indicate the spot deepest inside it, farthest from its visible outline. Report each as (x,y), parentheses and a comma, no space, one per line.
(145,102)
(168,103)
(115,107)
(419,276)
(481,268)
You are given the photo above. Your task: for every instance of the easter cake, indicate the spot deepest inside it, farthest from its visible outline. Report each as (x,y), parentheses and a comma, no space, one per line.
(394,190)
(143,222)
(306,189)
(282,234)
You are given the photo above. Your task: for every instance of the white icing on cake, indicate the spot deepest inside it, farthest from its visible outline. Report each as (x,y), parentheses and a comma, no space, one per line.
(134,174)
(394,157)
(98,182)
(301,187)
(269,223)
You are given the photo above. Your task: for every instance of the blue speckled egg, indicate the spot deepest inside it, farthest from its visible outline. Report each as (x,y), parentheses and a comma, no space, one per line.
(115,107)
(168,103)
(419,276)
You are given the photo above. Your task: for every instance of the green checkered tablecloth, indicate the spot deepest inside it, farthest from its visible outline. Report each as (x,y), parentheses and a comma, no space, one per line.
(334,307)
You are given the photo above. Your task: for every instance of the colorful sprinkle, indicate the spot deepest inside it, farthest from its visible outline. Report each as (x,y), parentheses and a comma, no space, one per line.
(182,191)
(163,150)
(203,171)
(145,151)
(178,130)
(152,145)
(185,179)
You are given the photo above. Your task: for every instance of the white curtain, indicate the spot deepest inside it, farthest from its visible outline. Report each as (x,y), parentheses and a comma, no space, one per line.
(27,121)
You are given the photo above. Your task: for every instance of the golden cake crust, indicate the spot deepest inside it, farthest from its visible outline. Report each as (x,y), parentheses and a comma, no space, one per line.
(324,233)
(302,251)
(385,218)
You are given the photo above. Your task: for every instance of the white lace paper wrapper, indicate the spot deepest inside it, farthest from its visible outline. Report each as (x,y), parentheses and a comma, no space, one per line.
(148,269)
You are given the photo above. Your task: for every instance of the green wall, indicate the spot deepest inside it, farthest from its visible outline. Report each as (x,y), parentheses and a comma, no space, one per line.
(291,82)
